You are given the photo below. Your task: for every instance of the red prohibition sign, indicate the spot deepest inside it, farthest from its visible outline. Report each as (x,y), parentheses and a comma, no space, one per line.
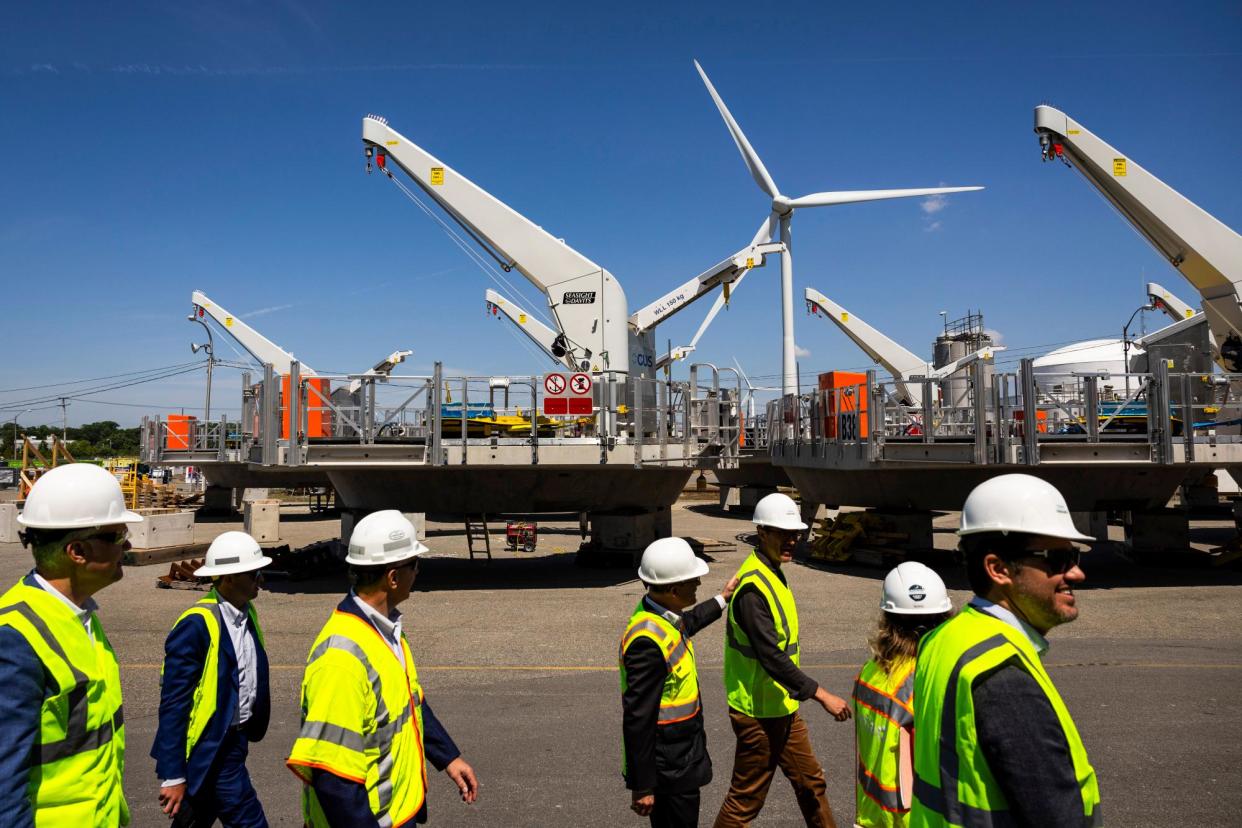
(580,384)
(554,384)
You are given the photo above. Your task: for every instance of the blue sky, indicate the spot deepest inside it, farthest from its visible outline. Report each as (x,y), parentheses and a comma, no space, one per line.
(215,146)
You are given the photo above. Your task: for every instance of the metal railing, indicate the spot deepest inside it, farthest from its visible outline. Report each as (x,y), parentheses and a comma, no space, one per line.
(1009,416)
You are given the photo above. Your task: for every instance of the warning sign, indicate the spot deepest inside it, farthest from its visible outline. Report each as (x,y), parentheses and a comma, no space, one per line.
(437,176)
(1119,167)
(567,394)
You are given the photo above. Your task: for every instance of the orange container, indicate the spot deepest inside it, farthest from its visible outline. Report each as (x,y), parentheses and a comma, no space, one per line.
(852,404)
(180,433)
(315,394)
(1041,420)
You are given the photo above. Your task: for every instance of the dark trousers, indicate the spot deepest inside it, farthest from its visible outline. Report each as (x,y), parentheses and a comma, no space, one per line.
(675,810)
(763,745)
(226,794)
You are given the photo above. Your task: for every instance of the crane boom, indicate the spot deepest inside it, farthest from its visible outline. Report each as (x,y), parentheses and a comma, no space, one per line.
(537,332)
(255,343)
(587,302)
(1164,300)
(1205,251)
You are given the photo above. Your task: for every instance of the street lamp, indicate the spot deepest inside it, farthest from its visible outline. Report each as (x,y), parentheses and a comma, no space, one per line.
(211,358)
(15,416)
(1125,342)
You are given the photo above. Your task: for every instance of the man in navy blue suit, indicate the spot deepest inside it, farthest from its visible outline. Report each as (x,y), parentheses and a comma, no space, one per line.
(214,695)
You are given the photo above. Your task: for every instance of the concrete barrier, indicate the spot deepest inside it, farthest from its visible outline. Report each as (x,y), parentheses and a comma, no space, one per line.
(9,526)
(262,520)
(162,527)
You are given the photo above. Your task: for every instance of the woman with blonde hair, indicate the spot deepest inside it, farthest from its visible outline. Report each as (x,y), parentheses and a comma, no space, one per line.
(914,602)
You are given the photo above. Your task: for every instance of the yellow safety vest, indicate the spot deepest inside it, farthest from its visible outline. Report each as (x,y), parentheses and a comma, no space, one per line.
(205,694)
(679,699)
(953,785)
(882,707)
(80,759)
(362,720)
(750,689)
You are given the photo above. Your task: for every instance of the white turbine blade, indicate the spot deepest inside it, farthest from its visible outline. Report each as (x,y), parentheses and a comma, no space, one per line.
(715,309)
(745,378)
(765,231)
(757,170)
(855,196)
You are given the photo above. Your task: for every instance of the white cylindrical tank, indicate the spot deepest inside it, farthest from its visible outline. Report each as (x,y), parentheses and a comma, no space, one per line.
(1092,356)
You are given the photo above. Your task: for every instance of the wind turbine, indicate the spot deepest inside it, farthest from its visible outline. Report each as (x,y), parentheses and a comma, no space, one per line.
(782,212)
(749,404)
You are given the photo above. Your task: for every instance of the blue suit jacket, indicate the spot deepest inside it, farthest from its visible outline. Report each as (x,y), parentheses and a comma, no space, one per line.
(185,653)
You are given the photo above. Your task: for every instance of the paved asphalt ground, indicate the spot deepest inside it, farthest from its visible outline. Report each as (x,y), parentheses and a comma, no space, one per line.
(518,658)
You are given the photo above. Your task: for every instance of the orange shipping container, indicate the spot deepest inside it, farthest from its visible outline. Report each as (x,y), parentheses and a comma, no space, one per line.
(846,390)
(315,394)
(180,433)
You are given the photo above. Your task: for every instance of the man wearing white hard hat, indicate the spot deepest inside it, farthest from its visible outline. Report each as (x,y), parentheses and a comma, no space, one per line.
(63,730)
(995,743)
(764,682)
(914,601)
(366,725)
(664,745)
(215,695)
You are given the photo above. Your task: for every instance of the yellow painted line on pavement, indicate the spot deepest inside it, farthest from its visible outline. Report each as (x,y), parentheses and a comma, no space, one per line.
(579,668)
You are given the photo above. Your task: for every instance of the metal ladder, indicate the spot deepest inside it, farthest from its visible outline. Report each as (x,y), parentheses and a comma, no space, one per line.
(476,530)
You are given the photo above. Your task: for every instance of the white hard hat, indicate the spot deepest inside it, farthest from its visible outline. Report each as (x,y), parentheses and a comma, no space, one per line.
(1018,503)
(385,537)
(780,512)
(76,496)
(670,561)
(231,553)
(912,588)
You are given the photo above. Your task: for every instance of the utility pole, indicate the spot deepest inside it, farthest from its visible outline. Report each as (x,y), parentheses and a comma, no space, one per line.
(64,420)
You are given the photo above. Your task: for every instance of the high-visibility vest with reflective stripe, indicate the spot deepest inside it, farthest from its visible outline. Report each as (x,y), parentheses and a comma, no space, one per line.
(205,694)
(882,707)
(362,720)
(78,764)
(749,687)
(679,698)
(953,784)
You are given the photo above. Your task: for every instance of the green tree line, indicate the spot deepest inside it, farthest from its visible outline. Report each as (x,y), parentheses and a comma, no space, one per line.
(102,439)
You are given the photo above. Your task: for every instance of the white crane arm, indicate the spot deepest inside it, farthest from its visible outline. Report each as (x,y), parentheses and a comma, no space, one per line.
(587,302)
(257,345)
(950,368)
(899,362)
(535,331)
(1206,252)
(1164,300)
(719,275)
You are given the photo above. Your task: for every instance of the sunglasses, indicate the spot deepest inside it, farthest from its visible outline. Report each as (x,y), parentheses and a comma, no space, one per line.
(1059,561)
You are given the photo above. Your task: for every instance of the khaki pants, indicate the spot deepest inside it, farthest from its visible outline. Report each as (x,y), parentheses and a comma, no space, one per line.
(762,746)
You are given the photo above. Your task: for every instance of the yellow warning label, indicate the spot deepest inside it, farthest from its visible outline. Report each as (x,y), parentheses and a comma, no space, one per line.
(1072,131)
(1189,313)
(595,368)
(437,176)
(1169,363)
(521,319)
(845,317)
(392,143)
(1119,167)
(228,321)
(750,262)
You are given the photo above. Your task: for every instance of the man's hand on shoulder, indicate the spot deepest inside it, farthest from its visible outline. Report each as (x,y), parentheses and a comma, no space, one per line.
(463,776)
(729,588)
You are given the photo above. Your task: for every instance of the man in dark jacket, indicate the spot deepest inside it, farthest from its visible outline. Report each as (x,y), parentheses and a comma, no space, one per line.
(214,695)
(665,760)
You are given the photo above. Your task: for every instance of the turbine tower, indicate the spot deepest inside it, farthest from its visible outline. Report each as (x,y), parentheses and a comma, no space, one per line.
(782,212)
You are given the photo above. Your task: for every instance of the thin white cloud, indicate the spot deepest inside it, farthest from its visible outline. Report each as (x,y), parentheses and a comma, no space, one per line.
(932,227)
(264,311)
(997,336)
(934,204)
(800,352)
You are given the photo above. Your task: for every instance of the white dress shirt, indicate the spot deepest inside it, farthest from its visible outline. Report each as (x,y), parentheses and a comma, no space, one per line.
(1001,614)
(389,628)
(83,612)
(236,621)
(673,617)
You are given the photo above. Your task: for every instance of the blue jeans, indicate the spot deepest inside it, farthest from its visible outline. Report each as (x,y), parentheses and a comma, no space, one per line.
(226,794)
